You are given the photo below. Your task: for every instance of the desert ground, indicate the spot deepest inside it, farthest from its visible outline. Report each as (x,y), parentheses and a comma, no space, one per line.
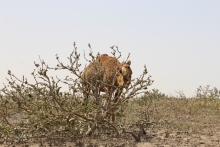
(175,122)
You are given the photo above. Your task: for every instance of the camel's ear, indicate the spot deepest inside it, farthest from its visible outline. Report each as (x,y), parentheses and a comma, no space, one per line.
(120,80)
(129,62)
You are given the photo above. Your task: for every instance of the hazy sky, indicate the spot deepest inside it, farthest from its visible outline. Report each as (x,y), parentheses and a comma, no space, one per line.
(178,41)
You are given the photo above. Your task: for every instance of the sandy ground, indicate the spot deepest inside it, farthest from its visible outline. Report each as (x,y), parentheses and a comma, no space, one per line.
(199,127)
(208,137)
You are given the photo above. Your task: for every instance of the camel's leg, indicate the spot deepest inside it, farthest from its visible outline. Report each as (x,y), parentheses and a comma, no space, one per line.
(117,95)
(86,92)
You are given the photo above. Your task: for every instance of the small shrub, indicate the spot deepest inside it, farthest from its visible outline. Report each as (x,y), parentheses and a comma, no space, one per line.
(207,93)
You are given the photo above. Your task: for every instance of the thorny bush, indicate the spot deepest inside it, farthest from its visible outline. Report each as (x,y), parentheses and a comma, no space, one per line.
(44,111)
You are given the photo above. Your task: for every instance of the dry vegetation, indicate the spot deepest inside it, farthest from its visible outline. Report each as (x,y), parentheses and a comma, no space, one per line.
(39,114)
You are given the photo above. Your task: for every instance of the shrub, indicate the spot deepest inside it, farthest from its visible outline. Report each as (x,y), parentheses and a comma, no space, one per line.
(206,92)
(45,111)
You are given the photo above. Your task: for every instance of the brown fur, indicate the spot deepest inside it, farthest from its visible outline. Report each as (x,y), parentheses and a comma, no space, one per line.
(104,72)
(108,70)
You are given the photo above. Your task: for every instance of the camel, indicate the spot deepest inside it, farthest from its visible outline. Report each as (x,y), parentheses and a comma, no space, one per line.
(106,74)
